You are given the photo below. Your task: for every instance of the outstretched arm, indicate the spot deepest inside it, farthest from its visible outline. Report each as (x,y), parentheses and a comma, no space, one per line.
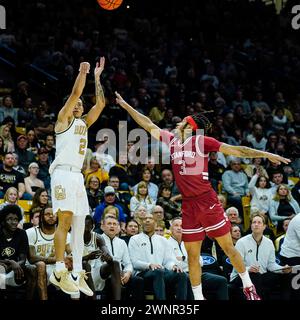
(67,110)
(245,152)
(140,119)
(95,112)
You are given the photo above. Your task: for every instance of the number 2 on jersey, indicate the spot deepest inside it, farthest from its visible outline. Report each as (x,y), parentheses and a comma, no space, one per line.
(82,146)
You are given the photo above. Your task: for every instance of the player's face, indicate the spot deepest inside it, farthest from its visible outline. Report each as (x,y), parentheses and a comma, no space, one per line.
(11,222)
(78,109)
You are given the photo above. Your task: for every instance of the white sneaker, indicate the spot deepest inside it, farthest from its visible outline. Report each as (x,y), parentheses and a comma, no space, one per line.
(62,280)
(80,281)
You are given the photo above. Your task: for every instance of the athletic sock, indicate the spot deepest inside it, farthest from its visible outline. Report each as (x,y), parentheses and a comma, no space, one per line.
(197,291)
(59,266)
(246,279)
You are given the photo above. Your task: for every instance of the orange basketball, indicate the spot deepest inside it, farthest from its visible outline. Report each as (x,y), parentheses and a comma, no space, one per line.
(110,4)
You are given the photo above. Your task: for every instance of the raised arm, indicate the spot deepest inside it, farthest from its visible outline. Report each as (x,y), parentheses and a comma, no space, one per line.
(67,110)
(95,112)
(139,118)
(245,152)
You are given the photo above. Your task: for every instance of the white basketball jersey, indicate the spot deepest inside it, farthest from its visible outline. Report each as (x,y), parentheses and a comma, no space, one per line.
(71,145)
(90,247)
(43,243)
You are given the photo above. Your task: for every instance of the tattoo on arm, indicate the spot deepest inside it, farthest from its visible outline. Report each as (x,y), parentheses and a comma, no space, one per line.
(251,153)
(99,92)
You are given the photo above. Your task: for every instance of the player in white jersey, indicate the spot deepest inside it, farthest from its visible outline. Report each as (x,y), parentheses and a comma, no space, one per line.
(41,248)
(69,197)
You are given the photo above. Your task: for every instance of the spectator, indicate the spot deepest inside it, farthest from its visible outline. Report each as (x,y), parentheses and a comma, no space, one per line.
(152,188)
(141,198)
(260,191)
(95,170)
(119,251)
(215,170)
(279,240)
(252,169)
(9,177)
(43,162)
(8,143)
(13,251)
(8,109)
(41,123)
(25,156)
(233,215)
(131,229)
(109,200)
(212,283)
(153,261)
(157,114)
(236,233)
(235,183)
(94,193)
(257,138)
(282,206)
(167,177)
(139,215)
(239,100)
(33,144)
(17,166)
(40,199)
(258,253)
(32,183)
(49,146)
(296,192)
(171,208)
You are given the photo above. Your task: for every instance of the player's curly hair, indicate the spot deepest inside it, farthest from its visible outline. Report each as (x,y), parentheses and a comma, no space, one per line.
(202,122)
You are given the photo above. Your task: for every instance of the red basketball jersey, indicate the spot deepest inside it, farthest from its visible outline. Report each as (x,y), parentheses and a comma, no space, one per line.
(190,162)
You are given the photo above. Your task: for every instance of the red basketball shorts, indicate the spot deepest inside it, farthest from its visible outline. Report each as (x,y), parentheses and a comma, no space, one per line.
(203,215)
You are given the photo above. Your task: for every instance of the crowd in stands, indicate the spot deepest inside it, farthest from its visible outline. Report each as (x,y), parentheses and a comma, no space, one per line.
(167,64)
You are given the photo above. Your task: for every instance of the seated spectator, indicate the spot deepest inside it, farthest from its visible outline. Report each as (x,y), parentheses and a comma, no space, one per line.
(260,191)
(41,249)
(101,262)
(122,197)
(8,109)
(14,250)
(25,157)
(11,197)
(160,228)
(41,123)
(154,169)
(2,153)
(94,193)
(296,192)
(43,162)
(257,139)
(17,166)
(40,199)
(154,261)
(212,283)
(157,113)
(282,206)
(255,167)
(222,200)
(152,188)
(49,146)
(279,118)
(258,253)
(8,142)
(235,183)
(95,170)
(131,229)
(171,208)
(110,211)
(235,232)
(109,200)
(215,170)
(34,218)
(141,198)
(119,251)
(33,144)
(32,183)
(279,240)
(233,215)
(9,177)
(168,178)
(139,215)
(290,249)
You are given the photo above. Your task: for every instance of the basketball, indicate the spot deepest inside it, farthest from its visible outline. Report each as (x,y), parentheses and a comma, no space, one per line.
(110,4)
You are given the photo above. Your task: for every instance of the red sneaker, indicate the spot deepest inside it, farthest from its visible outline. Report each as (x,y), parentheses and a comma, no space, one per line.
(251,294)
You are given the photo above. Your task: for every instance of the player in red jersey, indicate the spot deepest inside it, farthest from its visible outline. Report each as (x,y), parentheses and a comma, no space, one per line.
(202,213)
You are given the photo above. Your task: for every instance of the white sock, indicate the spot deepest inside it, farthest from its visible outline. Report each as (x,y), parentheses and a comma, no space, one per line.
(77,242)
(60,265)
(197,291)
(246,279)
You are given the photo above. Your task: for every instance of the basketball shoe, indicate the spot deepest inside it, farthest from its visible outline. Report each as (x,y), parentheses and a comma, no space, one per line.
(80,281)
(250,293)
(62,280)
